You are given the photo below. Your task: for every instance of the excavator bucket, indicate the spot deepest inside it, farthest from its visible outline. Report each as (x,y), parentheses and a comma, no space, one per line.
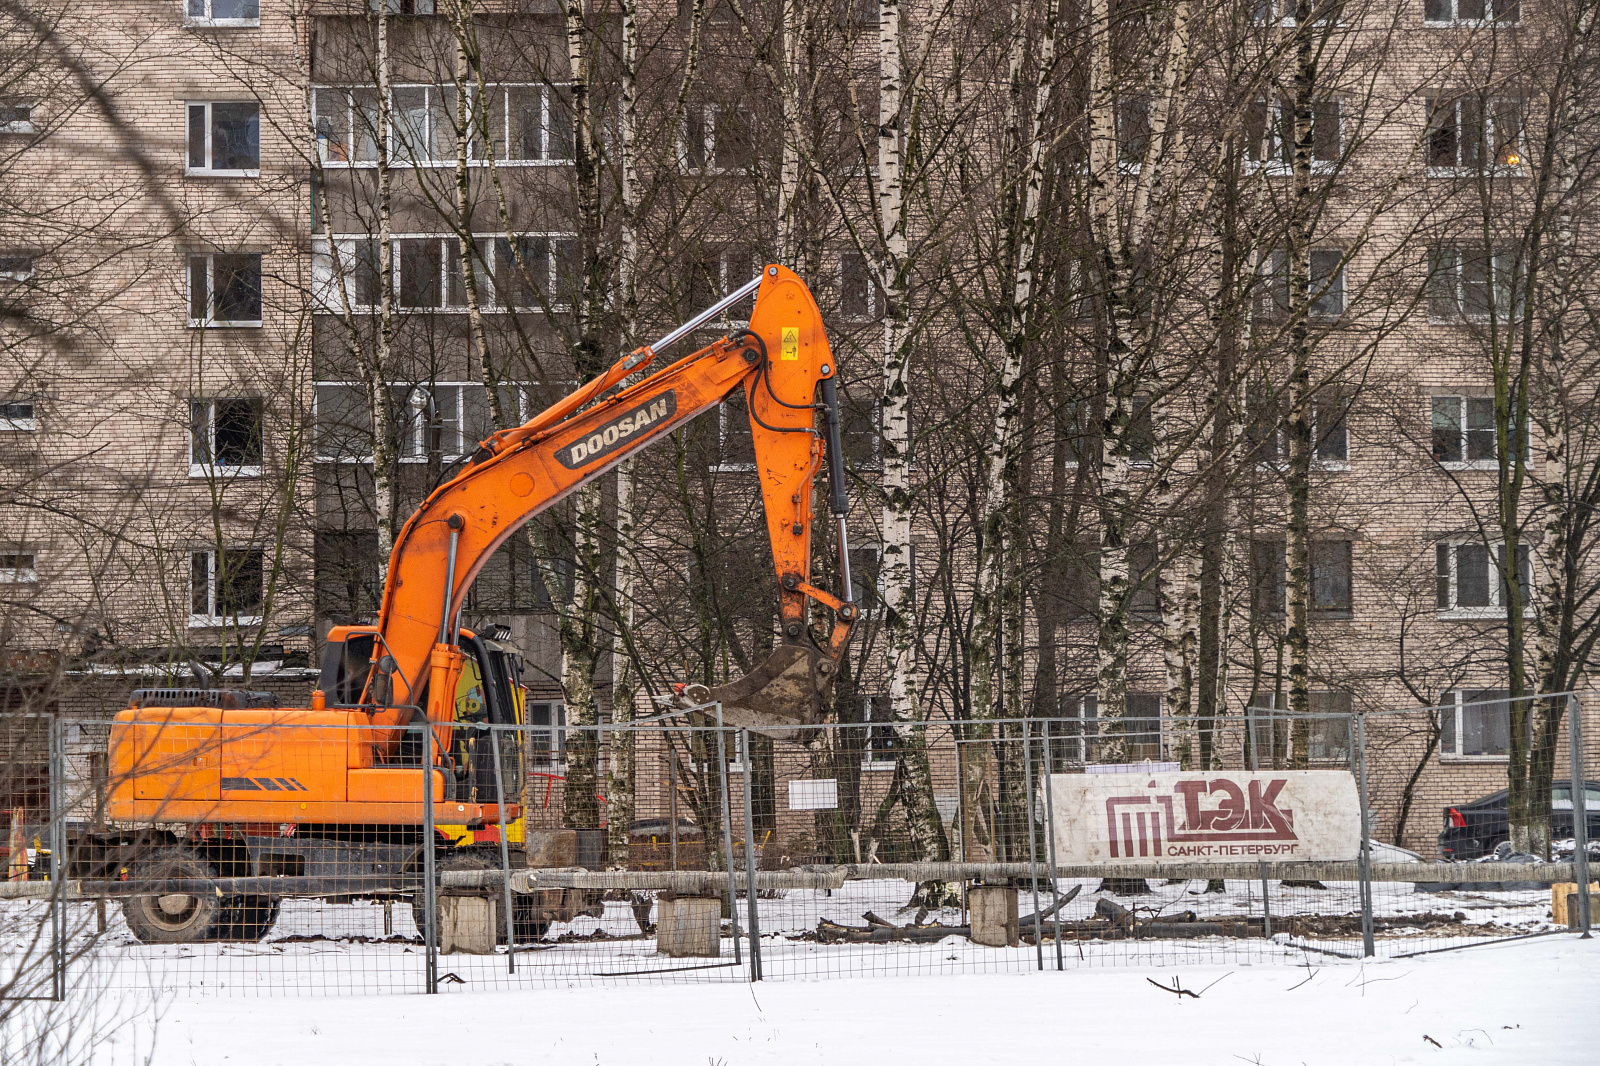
(789,690)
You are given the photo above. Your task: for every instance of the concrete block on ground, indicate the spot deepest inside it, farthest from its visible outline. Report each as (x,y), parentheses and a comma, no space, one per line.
(1564,905)
(689,927)
(466,925)
(993,909)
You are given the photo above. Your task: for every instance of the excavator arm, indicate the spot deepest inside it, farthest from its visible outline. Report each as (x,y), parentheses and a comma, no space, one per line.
(779,362)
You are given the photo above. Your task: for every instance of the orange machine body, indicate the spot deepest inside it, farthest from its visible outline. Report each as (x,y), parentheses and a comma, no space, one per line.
(341,764)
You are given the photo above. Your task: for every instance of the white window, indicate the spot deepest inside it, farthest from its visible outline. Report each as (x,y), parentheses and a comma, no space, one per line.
(547,736)
(16,116)
(225,437)
(1475,724)
(1325,286)
(1470,579)
(15,266)
(1080,739)
(525,124)
(222,12)
(1466,285)
(17,568)
(1270,134)
(1471,12)
(1281,12)
(404,7)
(19,415)
(225,588)
(881,738)
(716,140)
(1463,433)
(1467,132)
(446,418)
(224,290)
(1328,731)
(1330,440)
(521,272)
(225,138)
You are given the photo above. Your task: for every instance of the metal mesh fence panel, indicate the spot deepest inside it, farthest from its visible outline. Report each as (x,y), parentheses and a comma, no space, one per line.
(264,857)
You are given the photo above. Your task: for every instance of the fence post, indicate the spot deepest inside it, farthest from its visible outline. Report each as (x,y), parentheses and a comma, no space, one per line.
(1364,859)
(505,850)
(1580,811)
(1033,847)
(1050,842)
(58,863)
(430,895)
(750,858)
(1266,903)
(727,839)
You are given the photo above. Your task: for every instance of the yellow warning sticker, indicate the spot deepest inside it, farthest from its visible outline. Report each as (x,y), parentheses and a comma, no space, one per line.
(791,344)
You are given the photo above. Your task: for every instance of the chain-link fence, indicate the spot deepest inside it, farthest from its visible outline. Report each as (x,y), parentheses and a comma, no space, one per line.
(274,854)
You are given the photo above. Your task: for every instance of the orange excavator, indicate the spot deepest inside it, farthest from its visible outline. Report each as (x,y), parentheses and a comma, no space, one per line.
(219,784)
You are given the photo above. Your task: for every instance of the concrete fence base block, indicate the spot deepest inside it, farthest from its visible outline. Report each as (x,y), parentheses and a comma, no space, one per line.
(1564,905)
(689,927)
(994,915)
(466,925)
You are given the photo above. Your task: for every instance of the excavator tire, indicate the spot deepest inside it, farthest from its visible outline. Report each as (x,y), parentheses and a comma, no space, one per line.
(173,918)
(526,923)
(247,917)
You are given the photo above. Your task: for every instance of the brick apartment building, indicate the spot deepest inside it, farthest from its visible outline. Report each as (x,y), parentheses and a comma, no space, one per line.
(187,450)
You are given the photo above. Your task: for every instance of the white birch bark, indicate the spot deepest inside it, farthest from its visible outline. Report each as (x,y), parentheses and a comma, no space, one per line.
(374,373)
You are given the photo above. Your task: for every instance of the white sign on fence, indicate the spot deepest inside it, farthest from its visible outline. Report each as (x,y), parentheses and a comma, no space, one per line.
(814,794)
(1225,816)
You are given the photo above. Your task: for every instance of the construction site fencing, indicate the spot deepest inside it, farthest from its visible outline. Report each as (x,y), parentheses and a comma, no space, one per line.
(226,859)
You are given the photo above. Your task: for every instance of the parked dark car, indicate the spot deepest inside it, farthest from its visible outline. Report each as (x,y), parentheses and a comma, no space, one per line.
(1472,830)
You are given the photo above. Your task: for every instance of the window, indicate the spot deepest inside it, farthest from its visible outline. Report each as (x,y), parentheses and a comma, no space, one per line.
(1330,564)
(222,13)
(881,737)
(714,275)
(1463,131)
(1281,12)
(19,415)
(228,589)
(1144,575)
(547,738)
(859,295)
(225,138)
(1475,723)
(513,273)
(527,124)
(15,267)
(1133,133)
(508,125)
(1464,433)
(858,429)
(1141,726)
(1142,432)
(1471,12)
(1326,283)
(446,417)
(1328,737)
(1270,134)
(404,7)
(716,140)
(17,568)
(1470,581)
(1330,440)
(864,563)
(16,116)
(224,290)
(225,437)
(1467,285)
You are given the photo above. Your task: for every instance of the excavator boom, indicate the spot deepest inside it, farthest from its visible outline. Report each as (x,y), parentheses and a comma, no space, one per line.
(779,361)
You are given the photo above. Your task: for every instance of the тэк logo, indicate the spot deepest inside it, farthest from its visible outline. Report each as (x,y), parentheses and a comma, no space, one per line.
(1214,818)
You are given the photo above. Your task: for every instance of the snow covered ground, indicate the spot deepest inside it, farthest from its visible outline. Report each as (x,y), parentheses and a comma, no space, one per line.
(1522,1002)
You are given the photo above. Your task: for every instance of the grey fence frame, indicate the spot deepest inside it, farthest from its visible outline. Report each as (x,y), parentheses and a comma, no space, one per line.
(59,891)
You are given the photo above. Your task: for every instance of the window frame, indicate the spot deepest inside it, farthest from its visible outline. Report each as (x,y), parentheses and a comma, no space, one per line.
(213,619)
(1272,146)
(1495,609)
(22,126)
(19,572)
(208,169)
(1499,265)
(210,321)
(875,301)
(475,157)
(17,422)
(554,757)
(200,467)
(326,279)
(415,451)
(1485,135)
(22,273)
(1272,268)
(1263,731)
(875,759)
(709,114)
(1270,598)
(1456,707)
(1455,19)
(1463,431)
(209,21)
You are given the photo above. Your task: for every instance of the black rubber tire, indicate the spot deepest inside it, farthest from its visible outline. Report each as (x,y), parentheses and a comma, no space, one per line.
(173,918)
(247,917)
